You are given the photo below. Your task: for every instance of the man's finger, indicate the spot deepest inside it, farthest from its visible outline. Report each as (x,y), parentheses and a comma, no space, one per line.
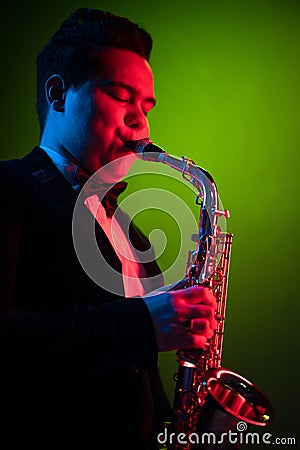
(199,311)
(196,295)
(202,326)
(192,341)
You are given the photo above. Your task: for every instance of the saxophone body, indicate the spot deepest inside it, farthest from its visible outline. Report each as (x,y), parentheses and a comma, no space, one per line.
(209,401)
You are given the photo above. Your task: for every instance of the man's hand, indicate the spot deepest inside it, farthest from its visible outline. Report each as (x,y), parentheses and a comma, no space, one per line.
(184,318)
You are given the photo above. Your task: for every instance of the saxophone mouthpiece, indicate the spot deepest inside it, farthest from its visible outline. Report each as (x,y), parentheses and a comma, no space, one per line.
(145,149)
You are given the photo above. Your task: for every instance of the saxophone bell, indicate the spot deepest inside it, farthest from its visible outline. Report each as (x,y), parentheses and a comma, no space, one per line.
(238,397)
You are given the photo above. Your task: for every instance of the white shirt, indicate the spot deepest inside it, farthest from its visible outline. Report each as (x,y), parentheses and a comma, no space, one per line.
(132,271)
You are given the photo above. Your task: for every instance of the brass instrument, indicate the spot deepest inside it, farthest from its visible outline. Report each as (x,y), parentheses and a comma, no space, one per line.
(209,400)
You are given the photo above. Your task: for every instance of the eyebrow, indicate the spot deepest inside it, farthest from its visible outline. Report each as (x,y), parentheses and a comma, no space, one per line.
(129,88)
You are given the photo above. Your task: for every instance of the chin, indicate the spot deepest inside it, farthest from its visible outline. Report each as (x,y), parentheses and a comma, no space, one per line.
(117,169)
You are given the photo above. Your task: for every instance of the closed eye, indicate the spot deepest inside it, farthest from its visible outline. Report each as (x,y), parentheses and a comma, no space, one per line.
(122,99)
(118,98)
(147,107)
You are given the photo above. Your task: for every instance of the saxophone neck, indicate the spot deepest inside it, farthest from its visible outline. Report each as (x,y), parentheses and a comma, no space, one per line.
(197,176)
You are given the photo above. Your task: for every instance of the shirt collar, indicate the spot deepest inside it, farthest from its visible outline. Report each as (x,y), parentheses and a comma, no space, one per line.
(71,171)
(68,168)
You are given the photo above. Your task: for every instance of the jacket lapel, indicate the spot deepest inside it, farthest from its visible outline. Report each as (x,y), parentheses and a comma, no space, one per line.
(49,178)
(46,175)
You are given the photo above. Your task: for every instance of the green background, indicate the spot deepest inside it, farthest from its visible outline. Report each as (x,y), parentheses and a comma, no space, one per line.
(228,90)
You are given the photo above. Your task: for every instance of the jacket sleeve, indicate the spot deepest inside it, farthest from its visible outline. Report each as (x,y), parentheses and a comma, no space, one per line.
(118,335)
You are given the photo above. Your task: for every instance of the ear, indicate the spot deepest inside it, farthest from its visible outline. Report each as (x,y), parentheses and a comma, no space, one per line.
(55,92)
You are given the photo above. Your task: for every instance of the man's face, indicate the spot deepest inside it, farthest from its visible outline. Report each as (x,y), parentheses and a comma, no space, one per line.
(109,109)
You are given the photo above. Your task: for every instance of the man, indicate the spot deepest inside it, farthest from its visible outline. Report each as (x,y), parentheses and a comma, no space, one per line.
(79,360)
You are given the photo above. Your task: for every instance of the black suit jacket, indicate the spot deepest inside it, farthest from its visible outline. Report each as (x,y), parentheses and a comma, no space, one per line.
(74,356)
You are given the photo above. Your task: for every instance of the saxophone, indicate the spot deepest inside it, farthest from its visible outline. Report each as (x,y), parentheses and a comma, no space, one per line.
(210,401)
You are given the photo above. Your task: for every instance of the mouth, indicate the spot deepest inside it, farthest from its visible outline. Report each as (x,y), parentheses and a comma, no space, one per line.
(124,150)
(121,150)
(127,141)
(138,145)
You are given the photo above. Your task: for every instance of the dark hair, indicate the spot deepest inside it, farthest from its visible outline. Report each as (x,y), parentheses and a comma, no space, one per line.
(71,52)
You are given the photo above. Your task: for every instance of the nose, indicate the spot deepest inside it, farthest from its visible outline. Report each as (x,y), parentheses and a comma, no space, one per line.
(136,120)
